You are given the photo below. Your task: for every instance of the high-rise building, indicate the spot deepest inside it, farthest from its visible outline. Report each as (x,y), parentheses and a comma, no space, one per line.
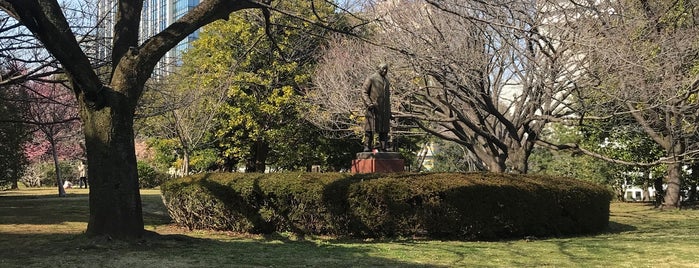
(155,17)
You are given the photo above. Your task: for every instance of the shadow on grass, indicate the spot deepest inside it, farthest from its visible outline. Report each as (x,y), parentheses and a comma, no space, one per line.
(43,209)
(51,209)
(42,196)
(46,246)
(76,250)
(616,228)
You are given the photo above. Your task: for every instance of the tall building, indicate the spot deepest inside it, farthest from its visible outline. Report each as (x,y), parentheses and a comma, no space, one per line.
(155,17)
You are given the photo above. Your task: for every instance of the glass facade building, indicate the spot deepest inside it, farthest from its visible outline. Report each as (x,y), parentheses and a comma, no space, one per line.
(155,17)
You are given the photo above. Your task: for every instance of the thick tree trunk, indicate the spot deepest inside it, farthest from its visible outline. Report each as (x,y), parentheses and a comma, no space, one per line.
(673,179)
(115,201)
(518,160)
(258,158)
(494,165)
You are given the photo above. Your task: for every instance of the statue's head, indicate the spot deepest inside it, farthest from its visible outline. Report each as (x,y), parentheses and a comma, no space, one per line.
(383,69)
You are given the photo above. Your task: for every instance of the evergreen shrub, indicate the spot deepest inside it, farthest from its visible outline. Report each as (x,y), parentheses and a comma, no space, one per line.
(148,176)
(435,205)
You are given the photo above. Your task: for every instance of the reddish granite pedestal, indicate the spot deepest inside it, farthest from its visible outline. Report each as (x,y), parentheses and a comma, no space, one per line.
(382,162)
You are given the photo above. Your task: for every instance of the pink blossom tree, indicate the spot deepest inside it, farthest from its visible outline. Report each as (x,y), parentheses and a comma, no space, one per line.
(53,115)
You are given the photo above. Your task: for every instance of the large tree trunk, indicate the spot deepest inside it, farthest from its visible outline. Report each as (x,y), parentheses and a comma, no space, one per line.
(518,160)
(258,158)
(115,201)
(673,179)
(493,164)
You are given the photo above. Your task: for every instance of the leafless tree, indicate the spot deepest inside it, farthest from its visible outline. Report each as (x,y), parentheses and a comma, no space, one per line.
(19,48)
(336,96)
(183,109)
(488,76)
(644,56)
(22,53)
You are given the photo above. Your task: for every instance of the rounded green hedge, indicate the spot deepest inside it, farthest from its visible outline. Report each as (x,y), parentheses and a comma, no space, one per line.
(438,205)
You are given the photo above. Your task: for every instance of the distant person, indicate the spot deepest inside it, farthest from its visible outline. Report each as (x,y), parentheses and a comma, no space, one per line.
(377,102)
(82,170)
(67,184)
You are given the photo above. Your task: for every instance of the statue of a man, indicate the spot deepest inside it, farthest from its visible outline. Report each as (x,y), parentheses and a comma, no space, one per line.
(377,100)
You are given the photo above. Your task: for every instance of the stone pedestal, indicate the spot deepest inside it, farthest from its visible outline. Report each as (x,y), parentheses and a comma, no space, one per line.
(382,162)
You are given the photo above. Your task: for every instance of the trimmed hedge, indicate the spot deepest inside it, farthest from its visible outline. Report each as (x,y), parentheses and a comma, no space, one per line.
(438,205)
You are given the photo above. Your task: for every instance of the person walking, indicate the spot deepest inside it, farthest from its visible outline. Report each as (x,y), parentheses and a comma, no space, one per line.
(82,170)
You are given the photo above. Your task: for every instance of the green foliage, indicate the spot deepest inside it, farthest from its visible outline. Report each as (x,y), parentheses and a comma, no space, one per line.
(149,177)
(263,77)
(68,169)
(445,205)
(309,146)
(165,152)
(621,139)
(562,163)
(184,114)
(649,88)
(201,160)
(12,138)
(407,144)
(678,15)
(573,166)
(616,138)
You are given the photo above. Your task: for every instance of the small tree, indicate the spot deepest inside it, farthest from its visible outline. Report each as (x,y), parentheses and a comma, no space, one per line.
(261,77)
(53,115)
(183,110)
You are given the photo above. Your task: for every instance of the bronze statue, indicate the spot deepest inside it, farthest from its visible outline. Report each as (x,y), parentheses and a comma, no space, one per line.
(377,100)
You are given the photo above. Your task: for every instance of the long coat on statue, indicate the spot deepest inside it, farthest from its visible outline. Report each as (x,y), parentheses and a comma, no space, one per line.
(377,100)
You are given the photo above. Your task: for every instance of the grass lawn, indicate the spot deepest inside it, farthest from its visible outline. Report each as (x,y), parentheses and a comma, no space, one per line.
(39,229)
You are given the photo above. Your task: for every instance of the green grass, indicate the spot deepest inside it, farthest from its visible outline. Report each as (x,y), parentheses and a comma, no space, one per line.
(39,229)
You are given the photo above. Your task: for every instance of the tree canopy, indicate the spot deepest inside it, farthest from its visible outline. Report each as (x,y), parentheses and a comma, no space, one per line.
(107,107)
(643,56)
(471,73)
(262,75)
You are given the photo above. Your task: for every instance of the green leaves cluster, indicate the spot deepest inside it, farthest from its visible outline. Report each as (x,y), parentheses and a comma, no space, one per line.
(563,163)
(262,63)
